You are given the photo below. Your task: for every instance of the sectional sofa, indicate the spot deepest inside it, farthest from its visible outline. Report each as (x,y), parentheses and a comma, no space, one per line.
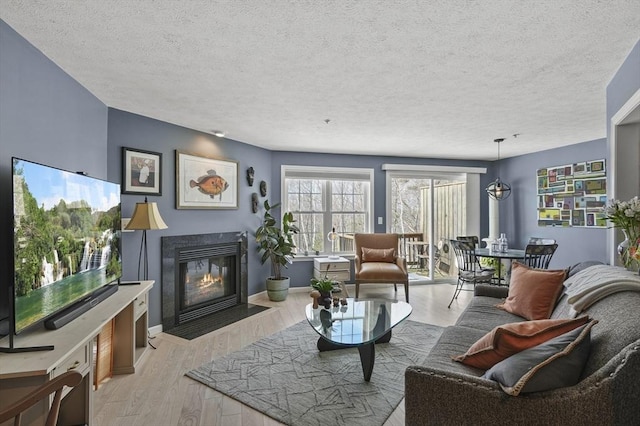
(442,391)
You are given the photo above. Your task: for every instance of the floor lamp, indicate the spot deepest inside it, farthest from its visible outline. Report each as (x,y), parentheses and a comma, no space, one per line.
(145,217)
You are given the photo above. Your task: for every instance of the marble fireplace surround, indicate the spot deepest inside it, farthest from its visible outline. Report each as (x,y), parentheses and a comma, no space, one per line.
(171,245)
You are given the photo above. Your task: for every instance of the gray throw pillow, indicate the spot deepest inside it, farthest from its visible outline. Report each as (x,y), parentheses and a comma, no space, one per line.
(553,364)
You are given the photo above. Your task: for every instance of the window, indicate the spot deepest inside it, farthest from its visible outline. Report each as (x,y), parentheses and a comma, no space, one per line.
(323,199)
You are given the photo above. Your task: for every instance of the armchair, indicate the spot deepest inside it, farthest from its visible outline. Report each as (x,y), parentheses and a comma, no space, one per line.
(377,261)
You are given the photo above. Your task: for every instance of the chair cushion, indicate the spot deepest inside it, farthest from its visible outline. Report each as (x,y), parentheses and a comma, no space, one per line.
(533,292)
(378,255)
(508,339)
(380,272)
(553,364)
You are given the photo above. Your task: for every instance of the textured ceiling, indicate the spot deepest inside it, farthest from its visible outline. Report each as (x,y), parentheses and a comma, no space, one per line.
(417,78)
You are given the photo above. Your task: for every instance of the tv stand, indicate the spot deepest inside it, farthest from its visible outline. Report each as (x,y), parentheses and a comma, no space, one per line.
(74,311)
(22,373)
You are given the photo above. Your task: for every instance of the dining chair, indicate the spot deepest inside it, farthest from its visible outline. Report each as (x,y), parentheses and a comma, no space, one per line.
(541,240)
(469,269)
(473,238)
(377,261)
(539,255)
(54,386)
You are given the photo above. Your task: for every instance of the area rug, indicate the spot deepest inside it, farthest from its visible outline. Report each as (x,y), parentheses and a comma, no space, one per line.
(285,377)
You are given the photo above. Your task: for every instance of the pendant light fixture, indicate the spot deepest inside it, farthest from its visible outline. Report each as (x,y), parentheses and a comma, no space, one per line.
(498,190)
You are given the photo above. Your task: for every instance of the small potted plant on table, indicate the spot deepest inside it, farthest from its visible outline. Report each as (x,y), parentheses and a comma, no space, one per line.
(324,285)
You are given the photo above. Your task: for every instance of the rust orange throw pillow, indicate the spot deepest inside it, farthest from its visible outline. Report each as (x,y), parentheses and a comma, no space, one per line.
(508,339)
(378,255)
(533,292)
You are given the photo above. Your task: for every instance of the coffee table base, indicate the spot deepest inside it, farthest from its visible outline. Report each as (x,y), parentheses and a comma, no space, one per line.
(367,351)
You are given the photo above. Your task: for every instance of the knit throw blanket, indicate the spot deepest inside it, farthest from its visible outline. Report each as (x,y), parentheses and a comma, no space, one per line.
(597,282)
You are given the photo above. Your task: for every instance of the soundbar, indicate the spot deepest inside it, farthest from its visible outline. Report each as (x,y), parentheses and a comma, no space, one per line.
(74,311)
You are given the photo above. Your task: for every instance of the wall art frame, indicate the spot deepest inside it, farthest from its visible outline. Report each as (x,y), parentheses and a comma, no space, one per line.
(572,195)
(205,182)
(141,172)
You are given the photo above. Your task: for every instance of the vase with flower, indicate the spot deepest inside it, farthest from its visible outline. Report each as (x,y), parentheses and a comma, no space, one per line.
(625,215)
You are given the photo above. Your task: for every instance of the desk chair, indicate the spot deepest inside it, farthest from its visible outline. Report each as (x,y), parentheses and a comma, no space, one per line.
(377,261)
(15,410)
(469,269)
(539,255)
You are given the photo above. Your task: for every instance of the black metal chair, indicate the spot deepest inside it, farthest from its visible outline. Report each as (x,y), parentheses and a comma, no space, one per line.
(472,238)
(539,255)
(469,269)
(541,240)
(476,241)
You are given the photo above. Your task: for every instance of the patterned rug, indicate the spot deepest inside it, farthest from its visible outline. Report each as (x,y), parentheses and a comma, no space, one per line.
(286,378)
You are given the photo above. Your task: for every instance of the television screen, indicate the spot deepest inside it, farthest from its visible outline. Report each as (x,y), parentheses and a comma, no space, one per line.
(66,239)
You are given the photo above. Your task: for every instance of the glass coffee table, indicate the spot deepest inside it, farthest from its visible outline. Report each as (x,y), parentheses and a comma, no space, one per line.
(360,324)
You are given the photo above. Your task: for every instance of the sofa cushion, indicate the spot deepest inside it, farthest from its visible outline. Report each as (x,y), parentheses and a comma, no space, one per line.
(533,292)
(553,364)
(482,314)
(454,340)
(378,255)
(508,339)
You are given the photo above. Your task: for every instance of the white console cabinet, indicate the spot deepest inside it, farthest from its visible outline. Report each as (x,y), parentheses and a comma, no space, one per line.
(22,372)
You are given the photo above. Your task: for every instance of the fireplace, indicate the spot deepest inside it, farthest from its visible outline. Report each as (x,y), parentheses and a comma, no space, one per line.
(201,275)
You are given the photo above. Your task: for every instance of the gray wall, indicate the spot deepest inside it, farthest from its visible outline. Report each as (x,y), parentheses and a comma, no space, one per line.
(518,213)
(135,131)
(46,117)
(301,271)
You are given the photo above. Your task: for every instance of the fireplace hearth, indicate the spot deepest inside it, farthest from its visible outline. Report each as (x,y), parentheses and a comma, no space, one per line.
(201,275)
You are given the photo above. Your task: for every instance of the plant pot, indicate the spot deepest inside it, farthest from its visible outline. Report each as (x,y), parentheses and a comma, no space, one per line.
(277,290)
(325,299)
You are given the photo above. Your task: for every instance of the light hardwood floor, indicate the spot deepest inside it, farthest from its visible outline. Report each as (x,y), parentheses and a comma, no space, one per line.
(160,394)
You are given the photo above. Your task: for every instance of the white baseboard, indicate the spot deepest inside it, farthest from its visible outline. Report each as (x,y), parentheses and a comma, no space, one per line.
(156,329)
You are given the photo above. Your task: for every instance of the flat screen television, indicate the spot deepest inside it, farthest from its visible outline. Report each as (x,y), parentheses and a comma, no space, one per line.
(66,240)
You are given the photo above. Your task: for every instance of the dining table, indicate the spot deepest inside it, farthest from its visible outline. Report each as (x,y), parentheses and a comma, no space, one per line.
(509,254)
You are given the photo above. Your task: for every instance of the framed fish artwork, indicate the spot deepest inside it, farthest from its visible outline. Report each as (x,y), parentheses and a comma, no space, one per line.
(205,182)
(141,172)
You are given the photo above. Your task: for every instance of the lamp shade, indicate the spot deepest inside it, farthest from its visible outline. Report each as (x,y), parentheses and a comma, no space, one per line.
(146,216)
(497,189)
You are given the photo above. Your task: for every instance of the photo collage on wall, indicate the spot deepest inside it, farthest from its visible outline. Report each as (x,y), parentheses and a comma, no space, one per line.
(572,195)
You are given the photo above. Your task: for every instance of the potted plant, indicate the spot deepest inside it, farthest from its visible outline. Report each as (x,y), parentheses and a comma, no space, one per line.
(323,285)
(276,245)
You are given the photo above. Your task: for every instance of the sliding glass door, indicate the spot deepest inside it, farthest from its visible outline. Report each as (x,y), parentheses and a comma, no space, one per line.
(427,210)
